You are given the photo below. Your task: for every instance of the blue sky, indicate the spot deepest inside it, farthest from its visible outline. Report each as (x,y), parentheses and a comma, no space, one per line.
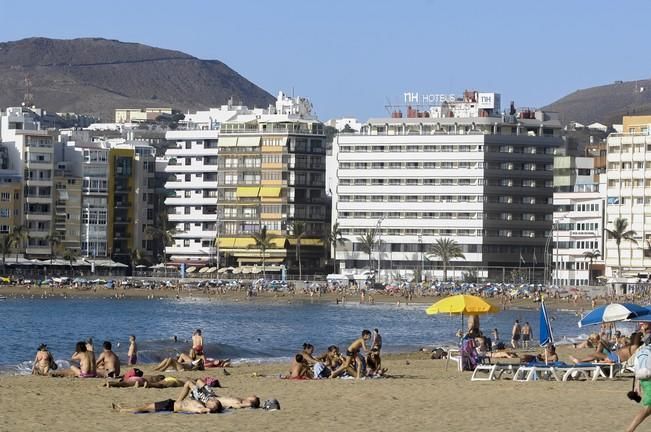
(350,57)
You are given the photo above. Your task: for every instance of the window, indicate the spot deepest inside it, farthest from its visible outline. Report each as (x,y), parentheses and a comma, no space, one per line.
(4,212)
(5,196)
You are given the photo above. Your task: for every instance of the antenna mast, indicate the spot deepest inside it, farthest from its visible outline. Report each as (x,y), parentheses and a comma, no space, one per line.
(28,98)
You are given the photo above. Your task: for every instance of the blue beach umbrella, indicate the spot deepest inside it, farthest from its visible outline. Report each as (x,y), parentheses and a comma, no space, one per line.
(613,312)
(645,317)
(546,335)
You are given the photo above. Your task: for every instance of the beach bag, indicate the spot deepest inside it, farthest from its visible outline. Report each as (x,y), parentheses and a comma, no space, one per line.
(642,363)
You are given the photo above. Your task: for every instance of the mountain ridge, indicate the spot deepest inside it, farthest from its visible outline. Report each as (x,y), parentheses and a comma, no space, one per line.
(95,76)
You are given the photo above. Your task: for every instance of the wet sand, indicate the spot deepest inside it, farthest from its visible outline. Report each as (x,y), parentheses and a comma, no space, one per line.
(422,395)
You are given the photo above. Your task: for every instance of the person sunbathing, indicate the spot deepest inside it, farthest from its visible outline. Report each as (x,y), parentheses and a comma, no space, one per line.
(618,356)
(549,356)
(300,369)
(86,368)
(593,341)
(43,361)
(180,365)
(308,354)
(182,404)
(216,363)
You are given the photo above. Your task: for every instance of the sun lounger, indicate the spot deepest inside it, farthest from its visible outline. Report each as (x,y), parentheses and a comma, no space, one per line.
(490,372)
(592,371)
(536,371)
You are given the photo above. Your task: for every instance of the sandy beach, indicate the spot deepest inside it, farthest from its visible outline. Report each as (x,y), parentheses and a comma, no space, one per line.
(422,395)
(379,298)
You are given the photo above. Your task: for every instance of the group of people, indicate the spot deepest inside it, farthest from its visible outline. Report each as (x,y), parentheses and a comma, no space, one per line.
(84,363)
(359,360)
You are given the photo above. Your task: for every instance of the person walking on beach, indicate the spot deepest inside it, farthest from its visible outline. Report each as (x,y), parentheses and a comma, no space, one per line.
(526,334)
(515,334)
(132,353)
(352,353)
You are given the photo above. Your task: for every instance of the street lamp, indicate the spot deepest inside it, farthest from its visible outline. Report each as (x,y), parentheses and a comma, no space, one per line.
(420,249)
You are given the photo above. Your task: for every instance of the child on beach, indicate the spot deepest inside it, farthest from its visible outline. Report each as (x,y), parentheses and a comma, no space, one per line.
(352,353)
(132,354)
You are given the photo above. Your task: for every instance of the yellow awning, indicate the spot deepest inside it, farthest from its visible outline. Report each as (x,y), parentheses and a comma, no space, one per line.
(244,242)
(269,192)
(226,242)
(307,242)
(247,191)
(278,242)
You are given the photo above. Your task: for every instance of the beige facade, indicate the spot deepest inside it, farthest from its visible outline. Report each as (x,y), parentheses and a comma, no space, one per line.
(139,115)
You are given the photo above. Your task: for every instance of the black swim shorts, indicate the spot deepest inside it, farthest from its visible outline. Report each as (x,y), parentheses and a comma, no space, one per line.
(166,405)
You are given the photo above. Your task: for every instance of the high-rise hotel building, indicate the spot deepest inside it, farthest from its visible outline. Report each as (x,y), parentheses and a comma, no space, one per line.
(265,168)
(461,170)
(629,196)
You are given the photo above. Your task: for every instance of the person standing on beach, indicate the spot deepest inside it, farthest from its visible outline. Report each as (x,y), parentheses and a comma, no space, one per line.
(526,334)
(515,334)
(132,354)
(377,340)
(197,345)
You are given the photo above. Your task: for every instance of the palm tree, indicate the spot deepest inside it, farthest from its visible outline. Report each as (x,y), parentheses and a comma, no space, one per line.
(6,244)
(367,244)
(71,256)
(619,233)
(54,239)
(332,238)
(164,236)
(136,258)
(298,232)
(591,255)
(263,242)
(19,234)
(446,249)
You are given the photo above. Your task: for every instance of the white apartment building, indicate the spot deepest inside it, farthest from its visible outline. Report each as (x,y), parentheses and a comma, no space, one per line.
(629,196)
(579,207)
(462,171)
(31,153)
(192,185)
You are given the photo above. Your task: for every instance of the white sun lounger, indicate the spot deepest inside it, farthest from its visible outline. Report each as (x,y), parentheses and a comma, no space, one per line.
(592,371)
(534,373)
(490,372)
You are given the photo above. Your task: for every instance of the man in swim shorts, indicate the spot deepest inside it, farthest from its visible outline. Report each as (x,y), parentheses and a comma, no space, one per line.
(351,354)
(515,334)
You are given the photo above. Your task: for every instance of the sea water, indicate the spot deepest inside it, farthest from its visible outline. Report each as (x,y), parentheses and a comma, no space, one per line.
(241,331)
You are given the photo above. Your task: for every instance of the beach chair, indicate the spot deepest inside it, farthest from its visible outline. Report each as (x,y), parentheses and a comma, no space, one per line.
(592,371)
(490,372)
(536,371)
(454,354)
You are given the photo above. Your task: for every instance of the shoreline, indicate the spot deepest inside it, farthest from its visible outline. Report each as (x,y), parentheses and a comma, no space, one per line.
(22,292)
(422,394)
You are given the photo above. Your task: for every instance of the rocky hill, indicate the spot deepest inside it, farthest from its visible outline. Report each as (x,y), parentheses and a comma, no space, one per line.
(605,104)
(95,76)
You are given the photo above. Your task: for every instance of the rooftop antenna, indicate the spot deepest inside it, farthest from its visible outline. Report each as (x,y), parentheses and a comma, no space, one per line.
(28,98)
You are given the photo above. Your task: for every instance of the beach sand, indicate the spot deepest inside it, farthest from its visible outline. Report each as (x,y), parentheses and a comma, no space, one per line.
(422,395)
(19,291)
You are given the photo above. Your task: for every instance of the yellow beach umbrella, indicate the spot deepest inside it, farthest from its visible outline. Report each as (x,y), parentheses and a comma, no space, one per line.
(461,304)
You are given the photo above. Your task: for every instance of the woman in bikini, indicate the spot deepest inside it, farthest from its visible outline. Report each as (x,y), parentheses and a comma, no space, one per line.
(618,356)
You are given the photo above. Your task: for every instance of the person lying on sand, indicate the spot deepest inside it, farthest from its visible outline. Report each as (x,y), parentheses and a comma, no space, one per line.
(216,363)
(86,368)
(169,363)
(352,352)
(619,356)
(148,381)
(181,405)
(200,390)
(108,364)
